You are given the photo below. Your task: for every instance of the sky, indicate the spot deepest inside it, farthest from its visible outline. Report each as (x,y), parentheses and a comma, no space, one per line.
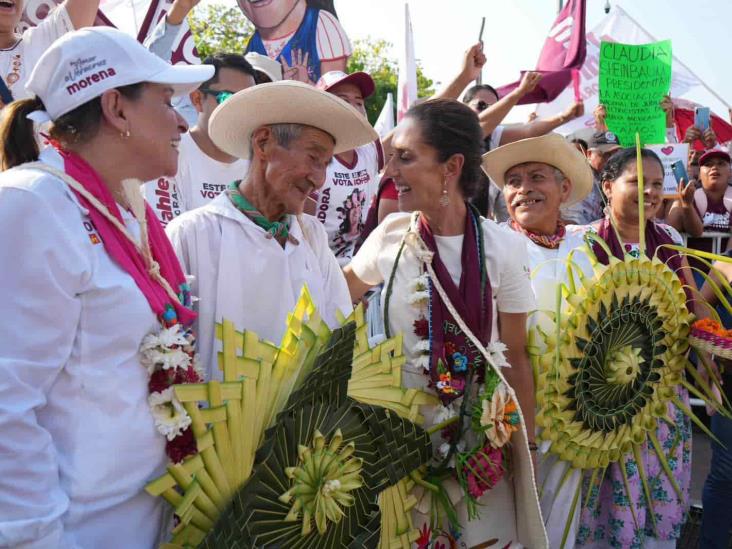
(515,31)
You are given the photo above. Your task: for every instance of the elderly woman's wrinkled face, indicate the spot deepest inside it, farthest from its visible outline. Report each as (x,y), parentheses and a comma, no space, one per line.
(623,191)
(534,191)
(292,173)
(415,168)
(715,174)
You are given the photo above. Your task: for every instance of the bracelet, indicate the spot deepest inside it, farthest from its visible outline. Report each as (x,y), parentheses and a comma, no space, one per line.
(533,447)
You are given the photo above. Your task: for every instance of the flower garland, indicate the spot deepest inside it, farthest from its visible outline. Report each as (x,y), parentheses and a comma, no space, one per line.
(475,425)
(170,360)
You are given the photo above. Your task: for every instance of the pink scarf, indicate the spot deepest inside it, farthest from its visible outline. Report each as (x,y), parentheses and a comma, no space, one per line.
(124,253)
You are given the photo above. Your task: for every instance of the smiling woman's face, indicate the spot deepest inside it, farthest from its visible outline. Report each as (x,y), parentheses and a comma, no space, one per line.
(622,193)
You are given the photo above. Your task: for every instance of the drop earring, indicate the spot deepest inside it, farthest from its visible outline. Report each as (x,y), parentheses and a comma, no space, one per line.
(444,199)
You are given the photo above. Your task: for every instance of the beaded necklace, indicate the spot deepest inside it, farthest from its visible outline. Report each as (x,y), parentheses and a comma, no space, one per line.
(545,241)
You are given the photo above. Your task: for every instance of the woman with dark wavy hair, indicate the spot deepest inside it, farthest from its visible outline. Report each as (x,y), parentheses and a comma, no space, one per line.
(457,288)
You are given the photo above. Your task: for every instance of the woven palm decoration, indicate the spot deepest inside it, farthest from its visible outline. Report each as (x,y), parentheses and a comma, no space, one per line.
(609,365)
(310,444)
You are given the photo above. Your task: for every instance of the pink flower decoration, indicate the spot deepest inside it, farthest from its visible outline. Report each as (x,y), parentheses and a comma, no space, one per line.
(483,470)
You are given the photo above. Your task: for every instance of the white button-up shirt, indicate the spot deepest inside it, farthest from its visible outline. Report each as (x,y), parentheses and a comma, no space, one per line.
(242,276)
(78,442)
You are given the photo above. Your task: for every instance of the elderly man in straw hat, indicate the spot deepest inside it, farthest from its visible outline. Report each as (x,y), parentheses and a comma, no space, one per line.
(251,250)
(537,177)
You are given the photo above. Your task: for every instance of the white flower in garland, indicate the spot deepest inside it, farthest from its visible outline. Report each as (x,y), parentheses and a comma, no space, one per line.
(497,350)
(171,418)
(422,346)
(165,358)
(422,361)
(443,414)
(167,337)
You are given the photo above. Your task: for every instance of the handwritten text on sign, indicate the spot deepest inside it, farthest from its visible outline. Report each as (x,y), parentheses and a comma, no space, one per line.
(633,80)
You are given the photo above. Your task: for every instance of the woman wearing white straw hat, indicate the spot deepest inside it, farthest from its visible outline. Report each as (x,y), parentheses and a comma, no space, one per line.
(88,276)
(251,250)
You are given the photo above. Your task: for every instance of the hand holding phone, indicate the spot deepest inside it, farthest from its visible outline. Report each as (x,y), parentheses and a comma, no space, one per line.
(701,118)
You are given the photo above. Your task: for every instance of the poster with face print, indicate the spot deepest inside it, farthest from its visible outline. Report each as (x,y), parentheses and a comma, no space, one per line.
(305,36)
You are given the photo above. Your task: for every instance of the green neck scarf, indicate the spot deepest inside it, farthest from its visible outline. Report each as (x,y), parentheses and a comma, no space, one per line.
(275,229)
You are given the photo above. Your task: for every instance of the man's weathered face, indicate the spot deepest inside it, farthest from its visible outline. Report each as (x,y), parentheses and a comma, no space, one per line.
(534,193)
(267,14)
(293,173)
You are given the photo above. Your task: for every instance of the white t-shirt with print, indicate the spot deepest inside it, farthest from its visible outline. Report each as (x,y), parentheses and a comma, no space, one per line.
(17,62)
(199,180)
(344,199)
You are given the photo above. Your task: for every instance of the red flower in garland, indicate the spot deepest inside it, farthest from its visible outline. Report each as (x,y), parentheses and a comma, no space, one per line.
(181,446)
(421,328)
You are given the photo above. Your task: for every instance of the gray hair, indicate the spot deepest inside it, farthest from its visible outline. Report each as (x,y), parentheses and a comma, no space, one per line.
(284,134)
(559,175)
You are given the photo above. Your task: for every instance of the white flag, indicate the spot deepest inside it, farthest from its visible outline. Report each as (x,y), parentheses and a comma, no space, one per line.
(616,27)
(385,122)
(407,83)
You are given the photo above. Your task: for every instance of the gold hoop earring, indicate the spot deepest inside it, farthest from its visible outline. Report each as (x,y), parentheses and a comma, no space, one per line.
(444,199)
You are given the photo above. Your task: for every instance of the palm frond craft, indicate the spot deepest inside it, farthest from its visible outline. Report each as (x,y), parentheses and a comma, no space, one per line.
(609,363)
(310,444)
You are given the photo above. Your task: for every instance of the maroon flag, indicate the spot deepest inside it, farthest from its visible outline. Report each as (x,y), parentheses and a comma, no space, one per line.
(563,52)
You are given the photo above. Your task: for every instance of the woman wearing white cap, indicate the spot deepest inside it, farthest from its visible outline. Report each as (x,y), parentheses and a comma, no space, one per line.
(88,274)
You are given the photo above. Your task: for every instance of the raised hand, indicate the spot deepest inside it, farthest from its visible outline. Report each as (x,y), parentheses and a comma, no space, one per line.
(299,68)
(473,62)
(529,81)
(180,10)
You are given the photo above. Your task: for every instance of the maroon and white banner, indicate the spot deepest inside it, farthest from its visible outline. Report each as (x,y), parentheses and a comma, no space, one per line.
(136,17)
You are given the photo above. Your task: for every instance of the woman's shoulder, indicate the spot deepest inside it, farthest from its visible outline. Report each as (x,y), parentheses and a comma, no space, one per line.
(37,185)
(500,234)
(672,233)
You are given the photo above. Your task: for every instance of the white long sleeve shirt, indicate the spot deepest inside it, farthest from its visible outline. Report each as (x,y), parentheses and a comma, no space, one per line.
(244,277)
(77,440)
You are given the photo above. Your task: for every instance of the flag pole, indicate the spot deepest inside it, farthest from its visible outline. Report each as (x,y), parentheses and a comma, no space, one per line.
(704,84)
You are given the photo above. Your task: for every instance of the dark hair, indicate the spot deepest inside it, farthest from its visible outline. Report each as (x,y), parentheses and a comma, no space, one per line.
(617,163)
(581,142)
(17,133)
(473,91)
(227,61)
(452,128)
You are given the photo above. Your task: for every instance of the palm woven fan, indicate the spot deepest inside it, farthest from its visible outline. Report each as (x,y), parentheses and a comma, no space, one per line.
(310,444)
(609,365)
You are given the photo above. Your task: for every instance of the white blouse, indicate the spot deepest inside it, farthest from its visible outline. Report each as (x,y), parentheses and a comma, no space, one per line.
(78,440)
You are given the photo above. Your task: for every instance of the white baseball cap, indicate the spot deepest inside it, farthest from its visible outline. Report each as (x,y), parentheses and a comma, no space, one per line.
(83,64)
(265,64)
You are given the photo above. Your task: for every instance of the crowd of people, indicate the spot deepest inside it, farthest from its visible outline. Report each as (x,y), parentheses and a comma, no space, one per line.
(118,221)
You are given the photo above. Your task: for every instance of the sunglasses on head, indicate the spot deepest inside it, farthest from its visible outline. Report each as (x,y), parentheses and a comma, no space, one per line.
(220,95)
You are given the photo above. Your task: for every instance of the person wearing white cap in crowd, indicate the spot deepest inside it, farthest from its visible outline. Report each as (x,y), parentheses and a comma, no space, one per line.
(537,177)
(268,69)
(88,282)
(342,204)
(251,250)
(19,53)
(204,170)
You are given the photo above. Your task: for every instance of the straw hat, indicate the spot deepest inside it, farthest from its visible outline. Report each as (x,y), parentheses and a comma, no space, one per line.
(286,102)
(550,149)
(265,64)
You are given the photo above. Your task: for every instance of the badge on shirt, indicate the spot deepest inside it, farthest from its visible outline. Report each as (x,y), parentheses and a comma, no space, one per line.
(91,230)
